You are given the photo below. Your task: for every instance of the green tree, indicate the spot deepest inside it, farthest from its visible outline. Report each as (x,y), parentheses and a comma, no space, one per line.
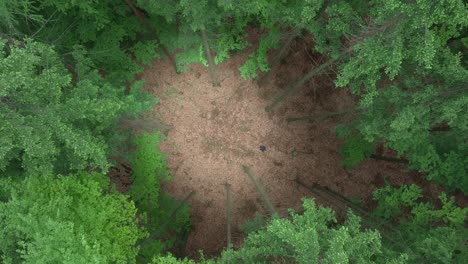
(17,14)
(55,121)
(66,219)
(62,66)
(279,20)
(421,230)
(198,29)
(413,86)
(330,23)
(108,29)
(311,237)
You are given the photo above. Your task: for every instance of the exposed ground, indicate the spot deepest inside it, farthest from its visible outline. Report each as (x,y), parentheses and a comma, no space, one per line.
(215,131)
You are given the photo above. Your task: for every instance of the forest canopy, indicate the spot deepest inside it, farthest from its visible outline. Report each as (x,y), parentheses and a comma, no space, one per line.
(69,81)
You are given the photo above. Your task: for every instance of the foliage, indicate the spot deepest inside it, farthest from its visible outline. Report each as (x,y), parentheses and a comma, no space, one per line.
(274,17)
(423,232)
(230,39)
(145,52)
(390,200)
(62,66)
(180,223)
(312,237)
(16,14)
(355,150)
(182,21)
(259,59)
(195,54)
(169,226)
(149,169)
(108,30)
(328,21)
(411,84)
(401,47)
(67,219)
(105,28)
(406,32)
(53,121)
(407,129)
(169,259)
(253,225)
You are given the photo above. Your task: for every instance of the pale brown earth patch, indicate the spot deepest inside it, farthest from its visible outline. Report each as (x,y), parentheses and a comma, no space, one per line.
(216,130)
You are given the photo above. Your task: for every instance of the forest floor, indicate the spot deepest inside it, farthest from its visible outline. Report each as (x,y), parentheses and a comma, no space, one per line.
(216,130)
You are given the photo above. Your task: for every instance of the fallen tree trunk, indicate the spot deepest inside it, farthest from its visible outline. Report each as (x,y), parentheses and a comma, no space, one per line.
(296,86)
(343,202)
(389,159)
(278,57)
(321,116)
(171,217)
(209,56)
(228,214)
(263,195)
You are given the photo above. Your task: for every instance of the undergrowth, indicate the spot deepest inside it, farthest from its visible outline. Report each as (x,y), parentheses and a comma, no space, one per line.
(163,215)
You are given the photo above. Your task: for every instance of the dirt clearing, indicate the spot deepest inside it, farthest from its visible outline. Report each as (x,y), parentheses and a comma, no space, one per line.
(216,130)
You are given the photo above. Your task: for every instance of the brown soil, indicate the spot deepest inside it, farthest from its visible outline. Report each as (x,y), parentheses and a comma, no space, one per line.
(216,130)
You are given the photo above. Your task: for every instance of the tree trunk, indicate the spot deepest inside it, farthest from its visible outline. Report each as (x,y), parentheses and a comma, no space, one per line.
(296,86)
(440,129)
(153,34)
(278,57)
(323,192)
(260,191)
(322,116)
(343,202)
(228,214)
(209,56)
(170,218)
(396,160)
